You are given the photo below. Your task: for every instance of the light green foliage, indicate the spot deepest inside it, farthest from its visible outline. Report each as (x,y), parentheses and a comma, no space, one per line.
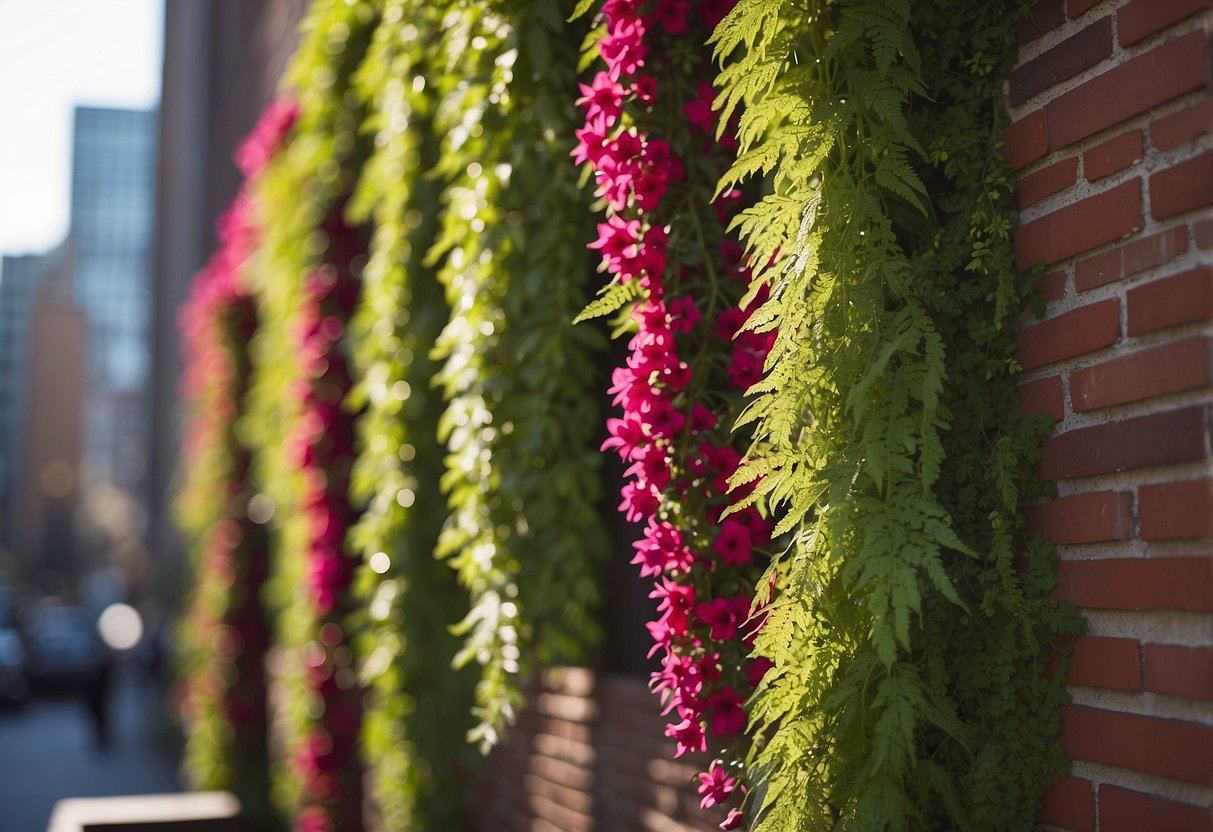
(295,192)
(521,470)
(409,600)
(909,688)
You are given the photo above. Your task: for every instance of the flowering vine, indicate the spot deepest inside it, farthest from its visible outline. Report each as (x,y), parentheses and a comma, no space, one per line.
(228,629)
(649,141)
(307,279)
(323,449)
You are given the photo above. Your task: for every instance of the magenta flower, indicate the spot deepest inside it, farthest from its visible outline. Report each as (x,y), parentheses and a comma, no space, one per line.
(626,434)
(698,110)
(728,718)
(602,97)
(732,820)
(715,785)
(733,543)
(688,735)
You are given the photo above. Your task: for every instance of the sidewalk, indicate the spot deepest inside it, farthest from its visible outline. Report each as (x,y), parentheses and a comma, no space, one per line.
(47,752)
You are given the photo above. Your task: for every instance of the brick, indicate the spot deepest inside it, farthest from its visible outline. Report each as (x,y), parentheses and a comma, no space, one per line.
(1052,286)
(1121,810)
(1166,747)
(1074,8)
(1025,140)
(1045,16)
(1177,510)
(1045,182)
(1043,396)
(1069,804)
(1150,252)
(1203,232)
(1108,663)
(1137,583)
(1134,87)
(1080,51)
(1072,333)
(1105,267)
(1183,298)
(1113,155)
(1169,368)
(1139,19)
(1183,187)
(1187,125)
(1080,226)
(1155,439)
(1180,671)
(1130,258)
(1093,517)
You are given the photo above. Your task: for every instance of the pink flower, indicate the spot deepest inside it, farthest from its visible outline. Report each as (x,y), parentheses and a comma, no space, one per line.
(626,434)
(624,48)
(661,549)
(756,669)
(715,785)
(676,603)
(701,418)
(712,12)
(732,820)
(733,543)
(684,314)
(645,89)
(688,735)
(728,718)
(602,96)
(639,501)
(591,141)
(723,615)
(698,111)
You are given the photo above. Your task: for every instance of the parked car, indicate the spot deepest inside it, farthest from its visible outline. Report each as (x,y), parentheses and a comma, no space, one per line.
(14,684)
(64,647)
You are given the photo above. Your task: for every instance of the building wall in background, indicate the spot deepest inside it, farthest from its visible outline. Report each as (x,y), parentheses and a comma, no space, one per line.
(19,278)
(222,63)
(46,505)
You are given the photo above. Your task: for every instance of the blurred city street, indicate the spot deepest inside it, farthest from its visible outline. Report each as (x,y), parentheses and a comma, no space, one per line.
(48,750)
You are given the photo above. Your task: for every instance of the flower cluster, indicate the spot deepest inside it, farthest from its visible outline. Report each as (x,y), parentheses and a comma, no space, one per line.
(225,704)
(322,447)
(677,406)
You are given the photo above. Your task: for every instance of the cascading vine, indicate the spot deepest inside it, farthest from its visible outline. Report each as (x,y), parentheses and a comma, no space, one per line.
(521,475)
(307,274)
(225,708)
(909,686)
(416,706)
(322,445)
(649,142)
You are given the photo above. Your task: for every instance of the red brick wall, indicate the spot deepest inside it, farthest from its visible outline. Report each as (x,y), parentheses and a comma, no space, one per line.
(1112,140)
(590,754)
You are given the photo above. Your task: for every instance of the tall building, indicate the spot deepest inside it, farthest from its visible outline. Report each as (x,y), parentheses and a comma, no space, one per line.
(19,277)
(222,63)
(47,498)
(113,190)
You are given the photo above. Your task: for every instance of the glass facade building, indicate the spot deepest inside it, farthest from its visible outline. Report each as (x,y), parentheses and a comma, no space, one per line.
(113,191)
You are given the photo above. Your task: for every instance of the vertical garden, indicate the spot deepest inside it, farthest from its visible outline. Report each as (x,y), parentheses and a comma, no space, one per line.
(754,255)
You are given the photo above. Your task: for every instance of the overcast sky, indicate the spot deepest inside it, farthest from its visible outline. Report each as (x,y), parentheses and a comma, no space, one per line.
(55,54)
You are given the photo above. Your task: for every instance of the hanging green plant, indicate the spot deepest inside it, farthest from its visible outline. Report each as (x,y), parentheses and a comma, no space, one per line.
(909,687)
(521,476)
(408,599)
(308,280)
